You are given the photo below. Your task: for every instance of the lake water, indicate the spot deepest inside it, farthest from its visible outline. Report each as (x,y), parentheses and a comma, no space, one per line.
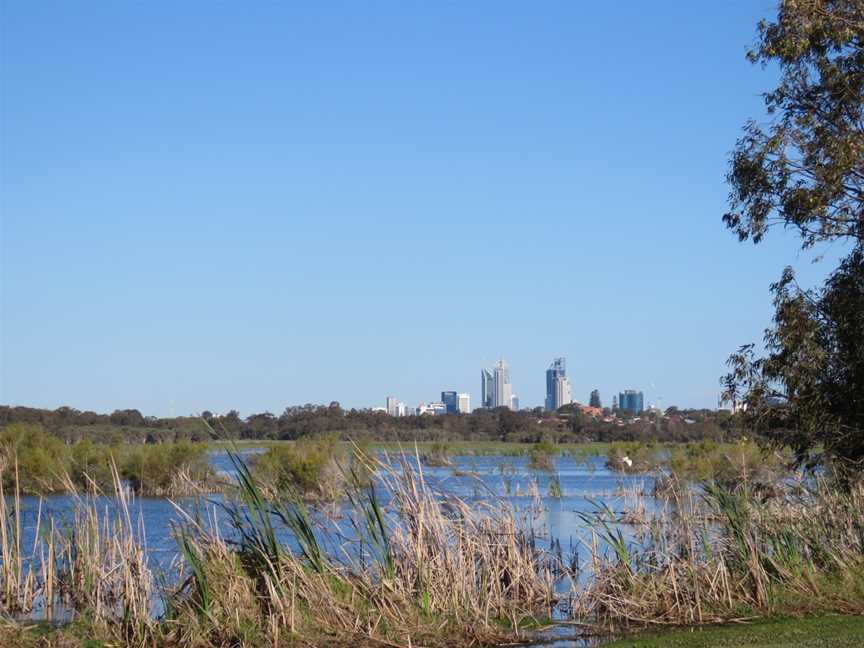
(586,486)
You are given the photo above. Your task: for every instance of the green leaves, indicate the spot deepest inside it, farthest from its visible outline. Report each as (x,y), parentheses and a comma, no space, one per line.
(805,168)
(804,171)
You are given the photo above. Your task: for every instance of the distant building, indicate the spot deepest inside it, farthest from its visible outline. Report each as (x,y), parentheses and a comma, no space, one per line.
(558,392)
(487,391)
(614,403)
(451,401)
(595,412)
(594,401)
(435,409)
(402,409)
(631,400)
(514,403)
(391,405)
(463,403)
(502,392)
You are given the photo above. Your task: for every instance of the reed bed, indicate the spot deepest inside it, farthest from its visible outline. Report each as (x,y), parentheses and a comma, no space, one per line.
(415,566)
(404,564)
(421,567)
(715,555)
(93,565)
(19,586)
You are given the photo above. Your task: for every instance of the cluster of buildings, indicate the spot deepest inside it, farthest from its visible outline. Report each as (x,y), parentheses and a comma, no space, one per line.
(629,400)
(497,391)
(451,403)
(495,388)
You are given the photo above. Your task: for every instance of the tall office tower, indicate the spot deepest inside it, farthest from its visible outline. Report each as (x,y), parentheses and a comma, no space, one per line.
(558,392)
(514,403)
(614,403)
(501,389)
(451,401)
(631,400)
(556,371)
(487,391)
(401,409)
(463,403)
(391,405)
(563,395)
(594,401)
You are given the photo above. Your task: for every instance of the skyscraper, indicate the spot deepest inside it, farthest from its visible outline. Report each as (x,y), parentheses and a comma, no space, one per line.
(558,391)
(631,400)
(451,401)
(501,389)
(391,405)
(594,401)
(514,403)
(487,397)
(464,403)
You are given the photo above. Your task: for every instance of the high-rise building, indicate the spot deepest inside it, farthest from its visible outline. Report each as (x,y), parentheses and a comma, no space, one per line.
(563,394)
(501,389)
(402,409)
(514,403)
(614,403)
(451,401)
(558,392)
(594,401)
(390,405)
(631,400)
(487,397)
(463,403)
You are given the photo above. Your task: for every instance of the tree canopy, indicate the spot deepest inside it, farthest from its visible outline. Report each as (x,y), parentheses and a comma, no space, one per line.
(805,170)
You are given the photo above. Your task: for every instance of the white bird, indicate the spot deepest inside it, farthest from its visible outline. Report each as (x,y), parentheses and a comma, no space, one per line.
(628,461)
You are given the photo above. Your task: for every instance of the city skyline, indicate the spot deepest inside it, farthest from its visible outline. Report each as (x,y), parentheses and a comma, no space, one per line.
(496,391)
(229,247)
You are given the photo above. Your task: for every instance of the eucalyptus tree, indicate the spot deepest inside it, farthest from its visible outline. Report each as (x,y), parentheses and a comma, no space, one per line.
(803,169)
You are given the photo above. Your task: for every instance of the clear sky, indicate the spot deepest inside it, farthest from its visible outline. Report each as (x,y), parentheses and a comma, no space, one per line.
(249,205)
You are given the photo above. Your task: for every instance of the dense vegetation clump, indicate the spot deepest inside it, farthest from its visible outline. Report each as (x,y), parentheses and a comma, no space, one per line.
(309,467)
(41,463)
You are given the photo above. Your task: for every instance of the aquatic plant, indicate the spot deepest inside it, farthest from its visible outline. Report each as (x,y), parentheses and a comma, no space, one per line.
(724,553)
(309,467)
(542,456)
(438,455)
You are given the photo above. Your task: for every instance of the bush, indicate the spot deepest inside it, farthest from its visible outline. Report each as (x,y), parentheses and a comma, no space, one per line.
(155,469)
(41,459)
(542,455)
(308,467)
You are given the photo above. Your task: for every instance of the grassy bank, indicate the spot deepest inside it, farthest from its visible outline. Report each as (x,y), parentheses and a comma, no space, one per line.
(814,632)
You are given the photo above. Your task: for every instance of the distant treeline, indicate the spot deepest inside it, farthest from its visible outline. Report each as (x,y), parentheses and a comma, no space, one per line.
(567,425)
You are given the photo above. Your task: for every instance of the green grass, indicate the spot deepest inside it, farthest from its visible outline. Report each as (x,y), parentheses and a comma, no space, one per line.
(813,632)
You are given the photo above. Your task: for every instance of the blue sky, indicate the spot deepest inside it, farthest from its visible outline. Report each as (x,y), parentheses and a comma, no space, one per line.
(250,205)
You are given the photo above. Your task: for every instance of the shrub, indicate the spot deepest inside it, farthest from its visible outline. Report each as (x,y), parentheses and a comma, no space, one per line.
(41,458)
(156,469)
(308,467)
